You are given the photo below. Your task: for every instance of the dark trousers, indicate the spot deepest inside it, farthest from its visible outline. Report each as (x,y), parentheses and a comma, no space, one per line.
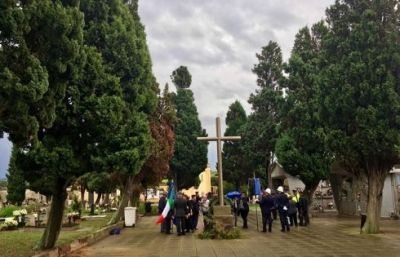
(304,220)
(188,222)
(244,215)
(167,225)
(284,220)
(293,219)
(274,213)
(267,219)
(195,219)
(180,225)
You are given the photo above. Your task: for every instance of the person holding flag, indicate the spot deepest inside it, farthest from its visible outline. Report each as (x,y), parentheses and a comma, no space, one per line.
(167,213)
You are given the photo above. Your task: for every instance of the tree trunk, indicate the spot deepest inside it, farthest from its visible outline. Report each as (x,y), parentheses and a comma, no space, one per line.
(126,194)
(98,198)
(55,217)
(83,197)
(374,205)
(135,197)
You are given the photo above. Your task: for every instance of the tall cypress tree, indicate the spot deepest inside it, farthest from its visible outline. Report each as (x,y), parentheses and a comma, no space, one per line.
(360,93)
(114,29)
(190,155)
(260,132)
(15,180)
(40,54)
(234,162)
(301,147)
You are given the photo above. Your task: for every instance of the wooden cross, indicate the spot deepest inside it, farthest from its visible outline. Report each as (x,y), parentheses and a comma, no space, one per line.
(219,138)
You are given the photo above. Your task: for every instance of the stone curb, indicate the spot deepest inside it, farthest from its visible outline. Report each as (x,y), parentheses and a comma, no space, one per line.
(62,250)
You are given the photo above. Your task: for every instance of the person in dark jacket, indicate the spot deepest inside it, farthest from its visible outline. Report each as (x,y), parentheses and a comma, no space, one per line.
(188,219)
(282,203)
(292,212)
(181,211)
(244,209)
(303,210)
(266,204)
(195,212)
(161,205)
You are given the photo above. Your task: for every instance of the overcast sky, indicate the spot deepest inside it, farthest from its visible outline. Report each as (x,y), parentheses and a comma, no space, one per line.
(217,40)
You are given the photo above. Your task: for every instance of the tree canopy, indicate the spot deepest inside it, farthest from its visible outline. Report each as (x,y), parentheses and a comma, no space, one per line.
(181,77)
(260,132)
(360,93)
(190,155)
(301,147)
(234,163)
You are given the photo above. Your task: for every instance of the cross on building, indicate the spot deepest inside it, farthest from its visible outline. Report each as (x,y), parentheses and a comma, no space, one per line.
(218,139)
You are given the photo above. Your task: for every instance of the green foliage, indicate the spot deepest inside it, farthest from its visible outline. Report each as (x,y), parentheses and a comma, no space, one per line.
(76,205)
(260,132)
(229,187)
(233,159)
(15,180)
(8,211)
(214,181)
(216,231)
(301,148)
(49,56)
(190,155)
(181,78)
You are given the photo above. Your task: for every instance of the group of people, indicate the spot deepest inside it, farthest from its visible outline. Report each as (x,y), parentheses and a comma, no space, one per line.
(185,212)
(286,205)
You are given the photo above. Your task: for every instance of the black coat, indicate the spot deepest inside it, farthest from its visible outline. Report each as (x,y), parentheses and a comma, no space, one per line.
(180,207)
(195,207)
(267,202)
(303,204)
(161,204)
(282,201)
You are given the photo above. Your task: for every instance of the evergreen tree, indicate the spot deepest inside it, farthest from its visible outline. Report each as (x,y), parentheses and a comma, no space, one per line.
(301,148)
(40,54)
(115,30)
(15,180)
(234,163)
(260,132)
(190,155)
(162,122)
(360,93)
(181,77)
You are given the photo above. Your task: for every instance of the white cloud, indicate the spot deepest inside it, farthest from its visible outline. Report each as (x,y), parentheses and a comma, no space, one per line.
(217,41)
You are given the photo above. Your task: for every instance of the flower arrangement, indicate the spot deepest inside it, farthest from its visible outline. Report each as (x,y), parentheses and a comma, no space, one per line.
(20,212)
(73,214)
(9,224)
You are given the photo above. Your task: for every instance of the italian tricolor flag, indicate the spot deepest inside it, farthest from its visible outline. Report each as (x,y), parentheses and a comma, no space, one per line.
(170,203)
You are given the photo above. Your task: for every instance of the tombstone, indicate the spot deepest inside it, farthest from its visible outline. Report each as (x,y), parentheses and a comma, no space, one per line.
(32,221)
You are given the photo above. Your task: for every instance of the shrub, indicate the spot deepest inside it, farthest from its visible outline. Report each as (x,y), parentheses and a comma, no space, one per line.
(8,211)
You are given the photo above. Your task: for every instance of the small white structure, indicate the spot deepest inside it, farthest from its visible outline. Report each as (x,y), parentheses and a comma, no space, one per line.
(281,178)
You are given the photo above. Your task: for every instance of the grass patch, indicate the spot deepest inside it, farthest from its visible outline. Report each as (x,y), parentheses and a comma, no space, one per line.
(20,243)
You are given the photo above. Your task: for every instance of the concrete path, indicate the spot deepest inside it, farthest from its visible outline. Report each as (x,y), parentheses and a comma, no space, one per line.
(328,236)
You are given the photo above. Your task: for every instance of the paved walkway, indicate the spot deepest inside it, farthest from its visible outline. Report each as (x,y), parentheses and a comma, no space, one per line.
(328,236)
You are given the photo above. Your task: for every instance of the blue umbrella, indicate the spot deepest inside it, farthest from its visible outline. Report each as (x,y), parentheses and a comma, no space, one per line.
(233,194)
